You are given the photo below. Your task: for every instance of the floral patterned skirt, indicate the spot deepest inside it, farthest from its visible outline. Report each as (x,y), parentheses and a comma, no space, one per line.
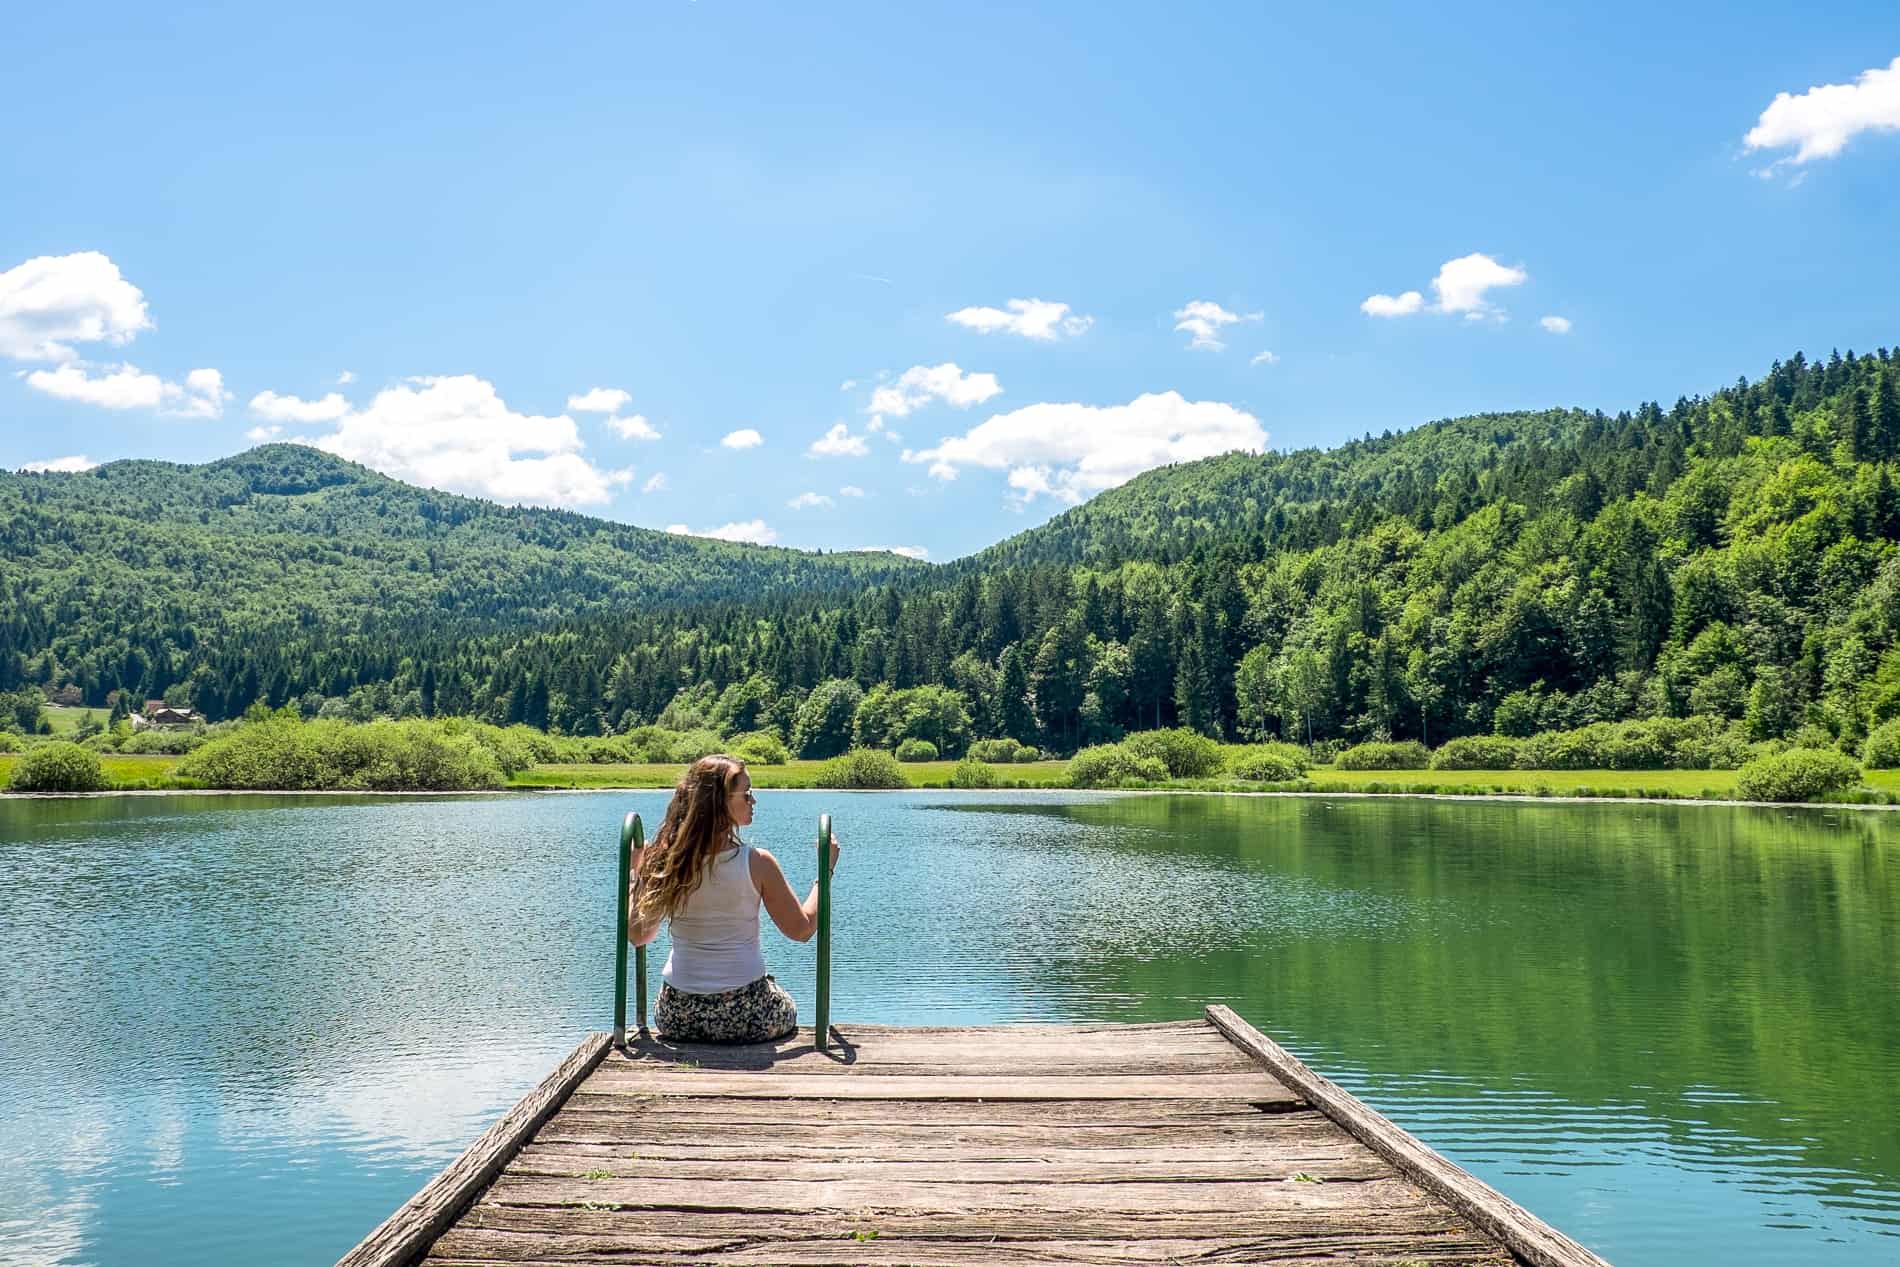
(755,1013)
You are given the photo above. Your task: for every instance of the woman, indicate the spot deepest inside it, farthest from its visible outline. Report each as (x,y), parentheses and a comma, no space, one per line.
(707,885)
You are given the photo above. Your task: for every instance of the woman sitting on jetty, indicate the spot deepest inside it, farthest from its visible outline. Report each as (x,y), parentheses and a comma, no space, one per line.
(707,885)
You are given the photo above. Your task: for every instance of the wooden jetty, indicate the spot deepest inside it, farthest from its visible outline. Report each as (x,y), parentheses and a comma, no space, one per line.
(1196,1141)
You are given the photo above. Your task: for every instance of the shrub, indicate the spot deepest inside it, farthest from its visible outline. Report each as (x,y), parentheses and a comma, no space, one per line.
(57,767)
(1882,749)
(9,742)
(1186,753)
(999,751)
(760,747)
(1408,755)
(972,773)
(173,742)
(288,754)
(1268,763)
(609,751)
(1259,761)
(916,750)
(1023,756)
(690,745)
(861,768)
(1477,752)
(1800,774)
(1112,765)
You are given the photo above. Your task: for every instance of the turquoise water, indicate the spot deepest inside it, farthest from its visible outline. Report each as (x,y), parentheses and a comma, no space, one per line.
(244,1029)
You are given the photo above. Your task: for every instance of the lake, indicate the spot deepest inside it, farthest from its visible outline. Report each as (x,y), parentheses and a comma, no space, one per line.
(244,1029)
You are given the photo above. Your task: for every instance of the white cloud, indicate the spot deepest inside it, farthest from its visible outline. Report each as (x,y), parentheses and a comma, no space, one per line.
(1203,320)
(839,443)
(1030,318)
(909,552)
(456,432)
(850,490)
(1265,358)
(1461,283)
(1072,451)
(201,395)
(744,438)
(752,531)
(77,462)
(1556,325)
(920,384)
(1821,121)
(290,409)
(600,400)
(346,378)
(1392,305)
(847,385)
(634,428)
(807,501)
(51,302)
(262,435)
(656,483)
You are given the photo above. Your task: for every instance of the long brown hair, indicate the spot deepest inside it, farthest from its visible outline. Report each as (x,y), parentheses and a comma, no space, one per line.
(697,827)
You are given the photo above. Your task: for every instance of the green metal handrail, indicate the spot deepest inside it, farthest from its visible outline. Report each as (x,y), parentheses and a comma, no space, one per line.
(632,839)
(823,1008)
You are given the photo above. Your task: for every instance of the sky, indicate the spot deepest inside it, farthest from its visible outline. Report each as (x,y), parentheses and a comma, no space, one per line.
(911,276)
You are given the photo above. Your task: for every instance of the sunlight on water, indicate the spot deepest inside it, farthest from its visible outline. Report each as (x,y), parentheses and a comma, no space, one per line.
(244,1029)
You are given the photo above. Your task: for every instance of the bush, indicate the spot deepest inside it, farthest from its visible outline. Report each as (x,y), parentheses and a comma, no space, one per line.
(760,747)
(1112,765)
(173,742)
(972,773)
(998,751)
(1800,774)
(1882,749)
(1186,753)
(861,768)
(281,753)
(1268,763)
(688,746)
(912,750)
(57,767)
(9,742)
(1023,756)
(1477,752)
(1409,755)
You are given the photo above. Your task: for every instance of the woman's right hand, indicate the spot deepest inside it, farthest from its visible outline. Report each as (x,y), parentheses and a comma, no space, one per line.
(834,851)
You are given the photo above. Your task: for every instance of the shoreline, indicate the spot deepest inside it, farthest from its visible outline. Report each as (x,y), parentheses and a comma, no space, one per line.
(1155,791)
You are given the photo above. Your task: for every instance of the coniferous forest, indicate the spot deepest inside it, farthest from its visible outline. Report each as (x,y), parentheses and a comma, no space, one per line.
(1731,555)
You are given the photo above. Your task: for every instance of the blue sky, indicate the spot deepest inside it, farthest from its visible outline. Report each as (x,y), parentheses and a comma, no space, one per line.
(721,214)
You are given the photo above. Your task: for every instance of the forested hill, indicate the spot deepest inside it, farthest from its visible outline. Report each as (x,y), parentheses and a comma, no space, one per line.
(1732,555)
(121,575)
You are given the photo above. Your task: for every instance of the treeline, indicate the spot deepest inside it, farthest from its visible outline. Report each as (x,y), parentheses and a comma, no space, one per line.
(1732,556)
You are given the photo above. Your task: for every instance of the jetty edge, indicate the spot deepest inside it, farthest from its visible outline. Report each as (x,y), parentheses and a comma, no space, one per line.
(1082,1143)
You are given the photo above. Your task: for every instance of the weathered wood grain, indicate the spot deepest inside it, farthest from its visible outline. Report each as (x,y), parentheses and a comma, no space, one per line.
(408,1232)
(998,1146)
(1203,1086)
(1526,1235)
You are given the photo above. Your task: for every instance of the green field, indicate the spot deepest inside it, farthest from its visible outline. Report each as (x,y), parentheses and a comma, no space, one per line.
(66,720)
(134,773)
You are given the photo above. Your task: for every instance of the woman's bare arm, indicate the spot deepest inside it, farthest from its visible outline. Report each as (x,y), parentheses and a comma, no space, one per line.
(639,934)
(797,920)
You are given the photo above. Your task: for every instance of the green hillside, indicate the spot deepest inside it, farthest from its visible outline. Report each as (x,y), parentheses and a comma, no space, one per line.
(123,575)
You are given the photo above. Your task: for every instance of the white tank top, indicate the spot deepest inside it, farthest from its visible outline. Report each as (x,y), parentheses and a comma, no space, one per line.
(716,933)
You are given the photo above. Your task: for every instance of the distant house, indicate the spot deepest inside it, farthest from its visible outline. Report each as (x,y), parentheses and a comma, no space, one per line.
(158,713)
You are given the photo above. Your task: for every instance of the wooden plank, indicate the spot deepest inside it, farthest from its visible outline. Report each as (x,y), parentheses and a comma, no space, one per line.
(407,1232)
(1205,1086)
(986,1064)
(720,1113)
(1349,1161)
(951,1199)
(691,1136)
(1320,1250)
(1518,1229)
(598,1228)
